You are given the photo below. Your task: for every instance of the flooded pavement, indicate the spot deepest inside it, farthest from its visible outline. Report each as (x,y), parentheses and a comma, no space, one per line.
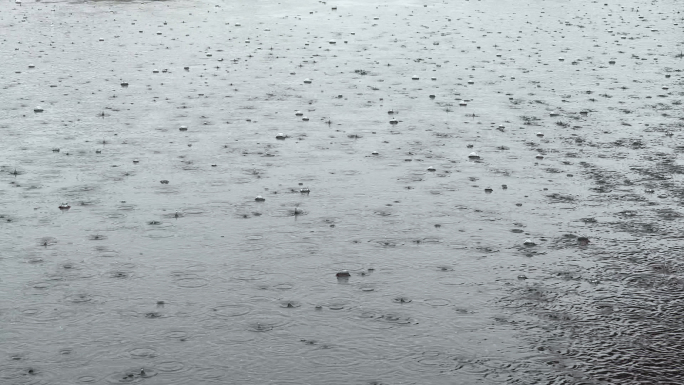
(481,192)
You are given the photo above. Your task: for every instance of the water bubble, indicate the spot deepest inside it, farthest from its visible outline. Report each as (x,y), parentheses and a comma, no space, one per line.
(415,77)
(539,156)
(183,128)
(473,155)
(307,81)
(539,134)
(259,198)
(529,242)
(281,136)
(38,109)
(431,168)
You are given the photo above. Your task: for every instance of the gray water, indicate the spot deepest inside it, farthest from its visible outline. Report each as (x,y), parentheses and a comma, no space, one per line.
(574,109)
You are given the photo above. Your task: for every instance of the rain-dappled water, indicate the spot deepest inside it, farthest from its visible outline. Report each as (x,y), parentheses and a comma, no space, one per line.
(183,181)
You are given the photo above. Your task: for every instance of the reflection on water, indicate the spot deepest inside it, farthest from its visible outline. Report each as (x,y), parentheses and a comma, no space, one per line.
(239,192)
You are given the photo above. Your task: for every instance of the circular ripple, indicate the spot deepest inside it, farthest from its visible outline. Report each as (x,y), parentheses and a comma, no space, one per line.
(286,212)
(42,287)
(176,335)
(142,352)
(267,323)
(83,298)
(338,304)
(212,374)
(247,274)
(106,253)
(24,375)
(350,359)
(50,313)
(170,366)
(119,274)
(437,301)
(131,376)
(194,211)
(228,311)
(191,282)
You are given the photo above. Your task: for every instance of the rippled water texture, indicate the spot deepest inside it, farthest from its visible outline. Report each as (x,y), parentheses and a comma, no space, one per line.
(305,192)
